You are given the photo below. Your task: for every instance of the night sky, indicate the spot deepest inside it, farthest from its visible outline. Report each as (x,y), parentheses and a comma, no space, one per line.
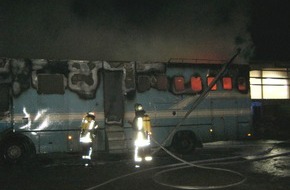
(144,30)
(270,29)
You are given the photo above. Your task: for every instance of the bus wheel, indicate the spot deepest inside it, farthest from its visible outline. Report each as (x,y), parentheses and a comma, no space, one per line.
(184,142)
(14,152)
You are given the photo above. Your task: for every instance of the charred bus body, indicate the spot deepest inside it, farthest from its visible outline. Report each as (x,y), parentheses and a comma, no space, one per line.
(43,101)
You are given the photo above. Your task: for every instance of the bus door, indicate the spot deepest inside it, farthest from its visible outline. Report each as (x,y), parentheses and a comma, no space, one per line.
(114,111)
(113,97)
(224,119)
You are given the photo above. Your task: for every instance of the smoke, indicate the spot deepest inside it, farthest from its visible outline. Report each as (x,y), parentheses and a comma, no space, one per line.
(130,30)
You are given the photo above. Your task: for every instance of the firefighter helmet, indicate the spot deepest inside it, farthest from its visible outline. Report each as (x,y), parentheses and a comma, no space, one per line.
(138,107)
(91,115)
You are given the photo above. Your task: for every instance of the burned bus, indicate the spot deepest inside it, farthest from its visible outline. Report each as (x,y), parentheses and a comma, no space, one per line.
(43,101)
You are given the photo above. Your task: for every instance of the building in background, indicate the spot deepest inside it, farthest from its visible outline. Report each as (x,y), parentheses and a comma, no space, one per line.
(270,93)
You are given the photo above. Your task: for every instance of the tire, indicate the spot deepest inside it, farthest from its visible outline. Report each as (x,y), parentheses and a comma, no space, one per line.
(15,151)
(184,142)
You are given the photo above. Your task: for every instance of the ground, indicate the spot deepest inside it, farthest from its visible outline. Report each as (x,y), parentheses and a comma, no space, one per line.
(242,165)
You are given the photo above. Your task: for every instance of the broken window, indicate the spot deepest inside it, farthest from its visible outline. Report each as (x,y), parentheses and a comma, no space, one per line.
(178,83)
(144,83)
(209,80)
(242,84)
(227,83)
(161,82)
(50,84)
(4,98)
(196,83)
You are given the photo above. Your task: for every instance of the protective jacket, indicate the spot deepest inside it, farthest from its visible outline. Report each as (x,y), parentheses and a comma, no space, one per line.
(87,127)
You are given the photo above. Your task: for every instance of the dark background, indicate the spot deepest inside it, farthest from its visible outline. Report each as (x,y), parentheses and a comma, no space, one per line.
(270,29)
(153,30)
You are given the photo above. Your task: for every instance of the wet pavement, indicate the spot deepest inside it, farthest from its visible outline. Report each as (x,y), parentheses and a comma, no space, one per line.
(247,165)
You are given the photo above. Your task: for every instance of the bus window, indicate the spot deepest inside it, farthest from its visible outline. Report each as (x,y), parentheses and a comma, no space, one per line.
(179,83)
(161,82)
(209,80)
(242,84)
(196,84)
(50,84)
(130,79)
(4,98)
(227,83)
(143,83)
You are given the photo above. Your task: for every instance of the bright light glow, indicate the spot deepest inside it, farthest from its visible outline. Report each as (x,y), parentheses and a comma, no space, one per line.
(25,112)
(39,114)
(139,123)
(44,124)
(273,72)
(26,115)
(136,157)
(92,124)
(255,73)
(141,140)
(275,92)
(86,139)
(211,130)
(249,134)
(148,158)
(269,83)
(88,157)
(69,137)
(256,92)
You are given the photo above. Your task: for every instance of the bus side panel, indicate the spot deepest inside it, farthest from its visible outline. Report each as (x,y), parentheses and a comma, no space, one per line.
(52,142)
(51,121)
(224,118)
(245,117)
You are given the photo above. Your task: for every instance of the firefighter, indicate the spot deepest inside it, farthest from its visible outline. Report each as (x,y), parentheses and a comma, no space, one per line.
(142,128)
(86,135)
